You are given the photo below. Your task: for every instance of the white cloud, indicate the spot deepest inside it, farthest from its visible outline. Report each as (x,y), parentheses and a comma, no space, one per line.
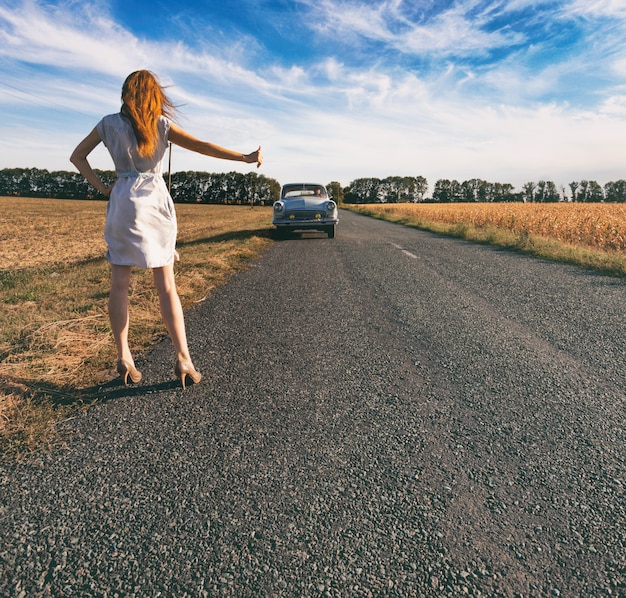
(326,117)
(614,106)
(86,39)
(456,31)
(599,8)
(56,38)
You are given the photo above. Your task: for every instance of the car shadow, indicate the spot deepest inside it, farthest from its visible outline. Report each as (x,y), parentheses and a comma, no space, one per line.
(241,234)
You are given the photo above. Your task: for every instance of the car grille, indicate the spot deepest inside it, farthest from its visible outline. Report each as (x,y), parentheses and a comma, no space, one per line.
(305,214)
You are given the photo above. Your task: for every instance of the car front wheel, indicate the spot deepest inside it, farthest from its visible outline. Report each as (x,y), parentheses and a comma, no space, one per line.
(330,230)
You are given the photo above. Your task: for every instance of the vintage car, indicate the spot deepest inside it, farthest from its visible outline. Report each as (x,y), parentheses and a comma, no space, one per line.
(305,206)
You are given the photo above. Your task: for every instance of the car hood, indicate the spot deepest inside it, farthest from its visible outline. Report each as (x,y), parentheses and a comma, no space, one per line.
(304,203)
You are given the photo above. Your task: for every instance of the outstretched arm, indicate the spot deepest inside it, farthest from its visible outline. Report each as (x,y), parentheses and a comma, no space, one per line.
(79,159)
(182,138)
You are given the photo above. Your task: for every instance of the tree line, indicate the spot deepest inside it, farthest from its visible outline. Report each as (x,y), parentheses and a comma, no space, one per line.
(255,189)
(413,189)
(185,187)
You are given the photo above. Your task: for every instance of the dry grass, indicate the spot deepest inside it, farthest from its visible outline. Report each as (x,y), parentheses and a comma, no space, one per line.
(55,341)
(590,235)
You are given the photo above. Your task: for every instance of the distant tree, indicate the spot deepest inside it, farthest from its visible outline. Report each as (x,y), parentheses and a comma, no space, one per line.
(36,182)
(582,194)
(552,192)
(456,191)
(397,189)
(442,193)
(590,191)
(349,196)
(385,192)
(271,190)
(573,187)
(391,189)
(615,191)
(503,192)
(484,191)
(546,192)
(336,190)
(231,188)
(446,191)
(470,190)
(477,190)
(528,191)
(189,186)
(421,187)
(595,192)
(364,190)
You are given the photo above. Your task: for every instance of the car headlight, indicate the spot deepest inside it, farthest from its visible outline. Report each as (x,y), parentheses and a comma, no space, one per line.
(278,207)
(330,206)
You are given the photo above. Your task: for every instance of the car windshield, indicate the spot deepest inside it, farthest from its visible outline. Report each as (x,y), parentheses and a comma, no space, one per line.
(292,191)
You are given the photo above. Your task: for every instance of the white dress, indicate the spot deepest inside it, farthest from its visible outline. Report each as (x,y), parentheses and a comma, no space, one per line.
(140,228)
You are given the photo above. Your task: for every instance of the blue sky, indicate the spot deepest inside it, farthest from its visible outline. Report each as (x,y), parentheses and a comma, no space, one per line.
(503,90)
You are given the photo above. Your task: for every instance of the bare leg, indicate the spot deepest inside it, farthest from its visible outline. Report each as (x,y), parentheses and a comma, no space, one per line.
(171,310)
(172,313)
(118,310)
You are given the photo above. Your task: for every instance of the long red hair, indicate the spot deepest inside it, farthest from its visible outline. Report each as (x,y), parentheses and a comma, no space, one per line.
(144,101)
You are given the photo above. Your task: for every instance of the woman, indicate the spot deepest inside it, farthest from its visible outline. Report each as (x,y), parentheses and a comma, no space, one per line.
(140,228)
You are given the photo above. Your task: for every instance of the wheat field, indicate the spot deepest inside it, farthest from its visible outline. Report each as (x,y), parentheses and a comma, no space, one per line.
(596,226)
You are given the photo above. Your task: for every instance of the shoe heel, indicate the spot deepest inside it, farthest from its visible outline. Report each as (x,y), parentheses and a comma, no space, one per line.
(126,371)
(182,370)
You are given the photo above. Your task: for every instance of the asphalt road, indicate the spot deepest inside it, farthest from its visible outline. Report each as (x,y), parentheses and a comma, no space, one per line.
(389,413)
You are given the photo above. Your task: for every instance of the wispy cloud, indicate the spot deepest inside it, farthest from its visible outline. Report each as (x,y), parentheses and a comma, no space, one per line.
(60,38)
(598,8)
(456,31)
(509,90)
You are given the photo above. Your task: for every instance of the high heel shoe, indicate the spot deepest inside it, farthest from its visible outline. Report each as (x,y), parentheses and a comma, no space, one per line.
(184,369)
(128,370)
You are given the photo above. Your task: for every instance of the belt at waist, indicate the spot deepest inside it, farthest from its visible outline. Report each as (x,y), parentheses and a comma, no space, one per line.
(137,175)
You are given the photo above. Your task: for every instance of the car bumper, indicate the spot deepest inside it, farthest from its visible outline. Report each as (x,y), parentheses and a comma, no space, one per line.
(304,223)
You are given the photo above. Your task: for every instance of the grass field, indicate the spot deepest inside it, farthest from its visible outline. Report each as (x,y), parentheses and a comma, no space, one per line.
(55,342)
(588,235)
